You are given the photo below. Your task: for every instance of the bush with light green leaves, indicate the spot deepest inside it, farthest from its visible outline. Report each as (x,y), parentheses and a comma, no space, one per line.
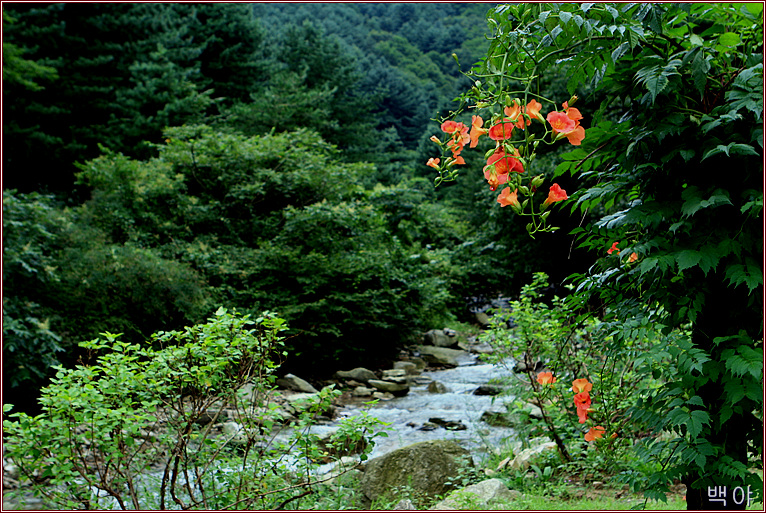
(136,427)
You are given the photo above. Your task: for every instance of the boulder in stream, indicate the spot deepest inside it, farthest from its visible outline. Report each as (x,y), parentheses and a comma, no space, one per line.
(440,338)
(436,387)
(454,425)
(293,382)
(423,466)
(442,355)
(358,374)
(409,368)
(392,388)
(488,390)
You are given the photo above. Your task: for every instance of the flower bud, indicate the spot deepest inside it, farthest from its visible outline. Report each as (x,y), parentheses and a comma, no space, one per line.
(530,227)
(572,100)
(508,101)
(538,181)
(545,215)
(524,190)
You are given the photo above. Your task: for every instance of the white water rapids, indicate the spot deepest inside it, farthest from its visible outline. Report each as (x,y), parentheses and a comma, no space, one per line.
(406,415)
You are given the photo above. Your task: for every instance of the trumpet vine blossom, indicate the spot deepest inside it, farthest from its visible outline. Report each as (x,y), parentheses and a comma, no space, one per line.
(545,378)
(582,403)
(594,433)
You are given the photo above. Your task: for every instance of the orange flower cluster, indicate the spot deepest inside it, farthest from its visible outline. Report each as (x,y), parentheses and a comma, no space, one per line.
(459,133)
(632,258)
(567,124)
(499,164)
(581,388)
(506,159)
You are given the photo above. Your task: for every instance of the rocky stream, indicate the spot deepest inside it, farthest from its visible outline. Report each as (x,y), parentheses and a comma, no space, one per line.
(440,392)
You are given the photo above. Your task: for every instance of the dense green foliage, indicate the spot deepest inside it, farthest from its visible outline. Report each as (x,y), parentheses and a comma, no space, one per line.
(126,429)
(671,179)
(133,69)
(211,161)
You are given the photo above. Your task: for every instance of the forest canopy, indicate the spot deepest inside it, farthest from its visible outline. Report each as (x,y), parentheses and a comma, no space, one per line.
(163,160)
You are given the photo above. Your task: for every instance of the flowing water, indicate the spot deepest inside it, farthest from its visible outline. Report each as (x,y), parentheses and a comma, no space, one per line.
(407,415)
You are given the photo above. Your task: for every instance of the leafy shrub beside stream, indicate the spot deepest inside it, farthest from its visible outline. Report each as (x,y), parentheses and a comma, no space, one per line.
(136,427)
(592,391)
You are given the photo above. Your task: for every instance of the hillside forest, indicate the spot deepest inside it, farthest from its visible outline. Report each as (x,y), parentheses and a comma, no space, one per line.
(163,160)
(303,166)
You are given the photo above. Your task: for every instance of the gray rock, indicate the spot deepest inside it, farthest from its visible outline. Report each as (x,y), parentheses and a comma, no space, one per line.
(410,368)
(362,391)
(534,411)
(423,466)
(476,347)
(394,373)
(442,355)
(392,388)
(293,382)
(453,425)
(483,318)
(488,390)
(208,416)
(299,402)
(484,495)
(358,374)
(525,458)
(11,470)
(398,376)
(440,339)
(435,387)
(405,504)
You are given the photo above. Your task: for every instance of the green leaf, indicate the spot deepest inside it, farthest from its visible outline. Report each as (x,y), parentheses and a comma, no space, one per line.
(695,40)
(735,391)
(750,274)
(729,39)
(656,78)
(744,360)
(693,200)
(693,420)
(687,258)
